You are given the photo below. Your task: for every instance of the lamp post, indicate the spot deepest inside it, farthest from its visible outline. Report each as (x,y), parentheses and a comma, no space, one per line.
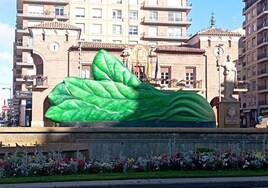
(9,91)
(80,58)
(218,51)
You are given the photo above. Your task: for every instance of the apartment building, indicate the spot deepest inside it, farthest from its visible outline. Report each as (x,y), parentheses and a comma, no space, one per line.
(148,22)
(253,57)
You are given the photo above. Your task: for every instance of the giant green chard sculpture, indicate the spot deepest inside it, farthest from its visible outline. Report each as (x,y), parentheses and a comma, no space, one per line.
(116,94)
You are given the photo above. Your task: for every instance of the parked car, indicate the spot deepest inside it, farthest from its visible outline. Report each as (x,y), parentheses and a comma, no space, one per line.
(3,123)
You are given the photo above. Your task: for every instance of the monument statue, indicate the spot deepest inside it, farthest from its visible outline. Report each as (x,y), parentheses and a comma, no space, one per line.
(116,94)
(126,54)
(230,78)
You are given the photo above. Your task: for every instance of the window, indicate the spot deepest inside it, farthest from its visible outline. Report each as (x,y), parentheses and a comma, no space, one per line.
(85,71)
(117,1)
(96,1)
(174,16)
(152,2)
(66,37)
(190,73)
(254,41)
(133,30)
(96,40)
(254,27)
(254,12)
(117,29)
(96,13)
(96,29)
(117,14)
(43,37)
(31,23)
(153,15)
(117,41)
(35,9)
(165,76)
(139,71)
(133,42)
(174,31)
(59,11)
(133,2)
(81,26)
(174,3)
(152,31)
(229,43)
(133,15)
(209,43)
(79,12)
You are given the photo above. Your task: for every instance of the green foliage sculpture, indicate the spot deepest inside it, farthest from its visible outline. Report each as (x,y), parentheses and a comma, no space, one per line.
(116,94)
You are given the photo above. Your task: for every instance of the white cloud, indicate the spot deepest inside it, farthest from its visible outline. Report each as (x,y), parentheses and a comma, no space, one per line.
(7,37)
(5,57)
(7,34)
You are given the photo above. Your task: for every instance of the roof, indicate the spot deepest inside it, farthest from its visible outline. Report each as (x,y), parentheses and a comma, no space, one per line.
(159,48)
(55,25)
(218,32)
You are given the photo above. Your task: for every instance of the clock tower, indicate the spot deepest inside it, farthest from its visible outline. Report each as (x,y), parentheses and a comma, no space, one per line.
(51,44)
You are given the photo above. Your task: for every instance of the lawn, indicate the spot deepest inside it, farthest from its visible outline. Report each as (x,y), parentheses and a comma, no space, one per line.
(136,175)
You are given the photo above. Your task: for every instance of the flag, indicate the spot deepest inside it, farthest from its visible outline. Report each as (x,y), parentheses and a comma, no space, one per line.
(156,68)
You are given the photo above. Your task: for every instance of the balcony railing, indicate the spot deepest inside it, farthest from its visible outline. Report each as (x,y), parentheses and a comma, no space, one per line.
(249,5)
(50,1)
(42,15)
(165,36)
(262,102)
(39,81)
(262,87)
(23,46)
(165,5)
(262,71)
(262,9)
(23,78)
(22,62)
(261,56)
(166,21)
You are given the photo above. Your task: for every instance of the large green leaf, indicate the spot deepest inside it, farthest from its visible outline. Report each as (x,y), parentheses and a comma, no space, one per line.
(116,94)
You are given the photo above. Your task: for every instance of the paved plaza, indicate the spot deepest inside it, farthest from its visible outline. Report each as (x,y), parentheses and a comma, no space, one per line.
(225,182)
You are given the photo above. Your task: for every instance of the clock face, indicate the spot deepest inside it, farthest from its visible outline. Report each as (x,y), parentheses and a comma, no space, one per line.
(54,46)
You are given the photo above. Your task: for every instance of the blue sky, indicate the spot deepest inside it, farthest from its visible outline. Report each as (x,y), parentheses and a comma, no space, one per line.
(228,15)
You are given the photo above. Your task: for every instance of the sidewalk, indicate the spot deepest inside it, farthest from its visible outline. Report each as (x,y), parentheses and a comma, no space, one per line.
(226,182)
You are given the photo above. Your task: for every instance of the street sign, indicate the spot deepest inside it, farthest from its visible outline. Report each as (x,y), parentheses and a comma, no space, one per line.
(4,108)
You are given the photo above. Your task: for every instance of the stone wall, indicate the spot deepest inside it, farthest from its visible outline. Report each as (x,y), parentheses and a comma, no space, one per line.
(104,143)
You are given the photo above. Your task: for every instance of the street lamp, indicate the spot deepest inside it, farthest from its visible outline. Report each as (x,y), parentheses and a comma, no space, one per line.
(9,91)
(218,51)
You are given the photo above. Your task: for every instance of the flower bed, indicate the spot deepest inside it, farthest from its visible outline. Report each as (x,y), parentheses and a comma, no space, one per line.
(21,163)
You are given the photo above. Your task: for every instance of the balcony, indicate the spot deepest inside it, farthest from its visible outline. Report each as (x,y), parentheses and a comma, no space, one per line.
(23,94)
(164,36)
(23,78)
(175,85)
(23,46)
(262,10)
(22,63)
(39,82)
(165,6)
(58,2)
(45,15)
(166,21)
(262,73)
(249,5)
(21,29)
(262,56)
(263,88)
(261,102)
